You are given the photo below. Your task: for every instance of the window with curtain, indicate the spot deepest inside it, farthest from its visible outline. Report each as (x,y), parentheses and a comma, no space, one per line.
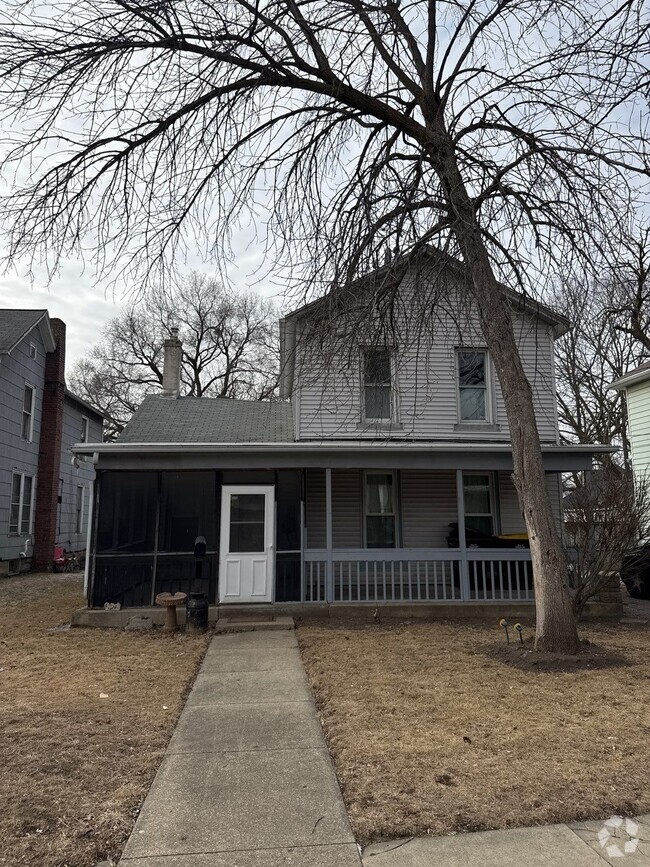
(477,490)
(472,385)
(377,388)
(379,506)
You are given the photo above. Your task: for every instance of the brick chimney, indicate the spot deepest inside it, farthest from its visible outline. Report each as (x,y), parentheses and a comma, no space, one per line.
(171,383)
(49,452)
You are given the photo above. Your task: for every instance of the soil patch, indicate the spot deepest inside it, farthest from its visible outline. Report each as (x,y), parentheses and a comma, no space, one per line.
(525,658)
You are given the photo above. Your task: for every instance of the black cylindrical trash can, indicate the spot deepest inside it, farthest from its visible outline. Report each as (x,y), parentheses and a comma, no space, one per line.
(197,612)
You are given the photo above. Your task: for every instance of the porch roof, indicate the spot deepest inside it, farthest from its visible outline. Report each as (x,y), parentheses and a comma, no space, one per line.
(357,454)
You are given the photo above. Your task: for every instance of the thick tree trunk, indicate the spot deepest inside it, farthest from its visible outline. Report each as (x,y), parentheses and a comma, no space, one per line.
(556,625)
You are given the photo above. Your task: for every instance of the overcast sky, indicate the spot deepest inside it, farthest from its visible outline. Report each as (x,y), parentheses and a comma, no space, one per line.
(86,304)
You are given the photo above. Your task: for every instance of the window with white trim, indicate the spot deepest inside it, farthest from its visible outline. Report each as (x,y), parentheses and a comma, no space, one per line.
(379,509)
(377,385)
(79,523)
(32,350)
(473,397)
(28,413)
(20,509)
(477,494)
(84,429)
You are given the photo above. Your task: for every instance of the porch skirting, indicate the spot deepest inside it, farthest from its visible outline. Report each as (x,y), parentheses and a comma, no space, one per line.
(388,612)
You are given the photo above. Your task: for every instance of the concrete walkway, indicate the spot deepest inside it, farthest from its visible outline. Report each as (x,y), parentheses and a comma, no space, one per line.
(247,780)
(581,844)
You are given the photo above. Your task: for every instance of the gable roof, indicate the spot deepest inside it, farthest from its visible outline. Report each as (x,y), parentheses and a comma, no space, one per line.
(16,324)
(638,374)
(84,404)
(209,420)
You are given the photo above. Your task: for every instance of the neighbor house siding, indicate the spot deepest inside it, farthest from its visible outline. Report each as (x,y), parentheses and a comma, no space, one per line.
(428,501)
(638,411)
(72,476)
(328,395)
(17,454)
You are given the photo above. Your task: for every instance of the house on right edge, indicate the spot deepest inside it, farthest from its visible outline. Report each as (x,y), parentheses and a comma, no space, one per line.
(636,384)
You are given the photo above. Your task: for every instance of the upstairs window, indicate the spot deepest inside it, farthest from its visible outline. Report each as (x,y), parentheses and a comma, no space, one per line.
(28,413)
(84,429)
(20,511)
(472,385)
(377,388)
(379,502)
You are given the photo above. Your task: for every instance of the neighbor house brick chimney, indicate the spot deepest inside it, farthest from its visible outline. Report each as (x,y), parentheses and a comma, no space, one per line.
(171,383)
(49,452)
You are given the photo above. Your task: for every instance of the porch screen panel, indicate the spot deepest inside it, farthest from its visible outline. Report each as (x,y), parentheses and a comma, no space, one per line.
(188,508)
(126,522)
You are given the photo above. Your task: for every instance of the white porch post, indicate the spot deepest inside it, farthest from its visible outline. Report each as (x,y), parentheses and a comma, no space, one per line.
(462,541)
(329,572)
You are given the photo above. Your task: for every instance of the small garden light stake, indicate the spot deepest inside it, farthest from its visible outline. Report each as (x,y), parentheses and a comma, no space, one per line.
(520,629)
(504,623)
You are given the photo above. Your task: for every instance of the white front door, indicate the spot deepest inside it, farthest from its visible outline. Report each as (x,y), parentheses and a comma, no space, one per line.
(247,556)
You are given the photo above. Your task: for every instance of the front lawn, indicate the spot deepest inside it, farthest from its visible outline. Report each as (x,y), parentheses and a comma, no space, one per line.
(85,717)
(431,735)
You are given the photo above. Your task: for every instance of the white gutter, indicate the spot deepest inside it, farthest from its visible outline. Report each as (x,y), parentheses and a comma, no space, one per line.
(629,379)
(320,445)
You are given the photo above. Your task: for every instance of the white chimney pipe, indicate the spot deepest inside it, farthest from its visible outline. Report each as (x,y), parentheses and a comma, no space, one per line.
(171,383)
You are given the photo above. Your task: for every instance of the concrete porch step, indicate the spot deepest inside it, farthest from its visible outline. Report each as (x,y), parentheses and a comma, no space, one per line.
(253,623)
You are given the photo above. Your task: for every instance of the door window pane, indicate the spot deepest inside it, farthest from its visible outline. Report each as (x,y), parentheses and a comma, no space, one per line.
(247,520)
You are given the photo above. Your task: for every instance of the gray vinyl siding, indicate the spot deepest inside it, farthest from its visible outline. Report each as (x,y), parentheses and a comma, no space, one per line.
(328,401)
(512,520)
(16,454)
(428,505)
(75,476)
(638,411)
(347,509)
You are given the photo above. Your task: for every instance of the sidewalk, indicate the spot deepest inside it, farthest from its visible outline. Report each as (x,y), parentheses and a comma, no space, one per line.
(247,780)
(575,845)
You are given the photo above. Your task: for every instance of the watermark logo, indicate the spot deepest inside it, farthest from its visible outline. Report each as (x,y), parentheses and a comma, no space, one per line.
(619,837)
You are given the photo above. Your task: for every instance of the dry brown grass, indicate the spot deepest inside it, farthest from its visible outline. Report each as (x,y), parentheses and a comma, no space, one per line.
(430,735)
(76,767)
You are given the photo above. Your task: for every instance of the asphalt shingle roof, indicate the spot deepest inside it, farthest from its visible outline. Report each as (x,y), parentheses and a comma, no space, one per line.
(209,420)
(15,324)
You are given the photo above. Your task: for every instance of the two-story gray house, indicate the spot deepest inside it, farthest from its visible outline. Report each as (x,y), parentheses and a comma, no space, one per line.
(44,489)
(381,476)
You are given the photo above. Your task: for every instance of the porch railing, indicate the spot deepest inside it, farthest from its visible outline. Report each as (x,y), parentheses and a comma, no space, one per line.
(418,575)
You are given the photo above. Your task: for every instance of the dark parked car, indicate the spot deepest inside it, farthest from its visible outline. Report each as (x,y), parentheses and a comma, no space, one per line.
(635,572)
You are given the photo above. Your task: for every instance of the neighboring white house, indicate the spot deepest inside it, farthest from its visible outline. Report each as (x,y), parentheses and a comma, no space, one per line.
(636,384)
(381,476)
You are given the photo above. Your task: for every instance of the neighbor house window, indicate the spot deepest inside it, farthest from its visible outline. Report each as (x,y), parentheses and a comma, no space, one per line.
(80,509)
(20,510)
(477,492)
(28,413)
(379,506)
(84,429)
(472,385)
(32,351)
(377,388)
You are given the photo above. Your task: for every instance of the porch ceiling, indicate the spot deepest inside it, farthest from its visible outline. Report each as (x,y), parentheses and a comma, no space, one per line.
(375,454)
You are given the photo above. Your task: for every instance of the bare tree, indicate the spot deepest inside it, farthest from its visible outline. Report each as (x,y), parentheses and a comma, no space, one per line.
(229,348)
(606,517)
(509,132)
(611,313)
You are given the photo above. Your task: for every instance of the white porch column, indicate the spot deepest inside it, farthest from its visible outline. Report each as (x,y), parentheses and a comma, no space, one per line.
(462,541)
(329,569)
